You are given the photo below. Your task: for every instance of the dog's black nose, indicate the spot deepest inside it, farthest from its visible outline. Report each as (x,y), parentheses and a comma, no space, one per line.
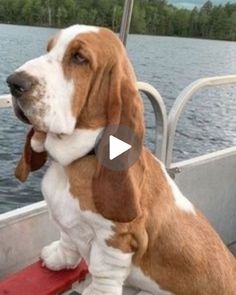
(19,84)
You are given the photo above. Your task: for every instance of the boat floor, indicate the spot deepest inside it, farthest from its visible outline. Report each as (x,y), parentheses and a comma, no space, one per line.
(78,288)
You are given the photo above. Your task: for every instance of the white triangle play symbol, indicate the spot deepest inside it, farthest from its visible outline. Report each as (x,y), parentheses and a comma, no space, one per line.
(117,147)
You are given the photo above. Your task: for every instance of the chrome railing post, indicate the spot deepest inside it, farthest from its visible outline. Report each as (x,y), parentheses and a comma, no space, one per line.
(160,118)
(126,20)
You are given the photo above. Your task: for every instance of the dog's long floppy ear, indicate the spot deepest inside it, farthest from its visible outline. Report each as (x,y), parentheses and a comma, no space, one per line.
(117,193)
(30,160)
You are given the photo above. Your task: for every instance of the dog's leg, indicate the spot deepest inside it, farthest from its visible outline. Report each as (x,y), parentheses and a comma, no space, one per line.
(61,254)
(109,268)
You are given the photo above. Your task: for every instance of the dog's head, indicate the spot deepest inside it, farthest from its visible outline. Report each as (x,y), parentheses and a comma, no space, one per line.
(76,83)
(85,81)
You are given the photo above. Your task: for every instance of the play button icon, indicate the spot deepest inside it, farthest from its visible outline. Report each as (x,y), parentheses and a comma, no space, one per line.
(117,147)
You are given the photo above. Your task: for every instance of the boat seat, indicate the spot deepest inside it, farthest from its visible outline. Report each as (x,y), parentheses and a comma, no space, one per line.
(38,280)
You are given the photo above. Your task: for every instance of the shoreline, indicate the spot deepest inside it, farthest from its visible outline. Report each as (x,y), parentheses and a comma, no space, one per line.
(138,34)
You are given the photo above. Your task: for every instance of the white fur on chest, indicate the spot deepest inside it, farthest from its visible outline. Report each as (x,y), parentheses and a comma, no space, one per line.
(81,226)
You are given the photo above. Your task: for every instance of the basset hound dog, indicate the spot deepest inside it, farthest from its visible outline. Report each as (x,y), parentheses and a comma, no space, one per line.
(133,226)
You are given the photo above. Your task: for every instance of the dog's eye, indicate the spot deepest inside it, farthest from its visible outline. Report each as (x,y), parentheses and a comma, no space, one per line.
(78,59)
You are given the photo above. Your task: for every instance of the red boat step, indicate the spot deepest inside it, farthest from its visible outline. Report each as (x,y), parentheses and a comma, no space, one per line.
(38,280)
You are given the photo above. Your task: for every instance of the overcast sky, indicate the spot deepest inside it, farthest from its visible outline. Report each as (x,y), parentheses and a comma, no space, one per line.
(192,3)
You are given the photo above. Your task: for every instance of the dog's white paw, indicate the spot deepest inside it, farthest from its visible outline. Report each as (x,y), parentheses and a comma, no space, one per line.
(57,257)
(92,291)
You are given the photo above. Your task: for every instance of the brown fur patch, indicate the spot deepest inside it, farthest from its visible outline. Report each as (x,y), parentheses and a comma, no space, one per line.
(30,160)
(178,250)
(106,93)
(95,79)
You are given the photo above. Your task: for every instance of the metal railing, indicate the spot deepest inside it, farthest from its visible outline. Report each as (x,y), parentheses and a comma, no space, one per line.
(181,102)
(126,20)
(5,101)
(159,108)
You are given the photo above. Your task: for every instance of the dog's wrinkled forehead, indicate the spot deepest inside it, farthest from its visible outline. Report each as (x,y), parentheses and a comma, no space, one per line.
(60,43)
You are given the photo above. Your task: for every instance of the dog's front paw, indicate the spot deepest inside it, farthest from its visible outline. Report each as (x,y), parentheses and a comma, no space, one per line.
(57,257)
(90,290)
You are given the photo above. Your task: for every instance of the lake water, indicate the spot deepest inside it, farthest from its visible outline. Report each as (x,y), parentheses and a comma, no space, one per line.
(169,64)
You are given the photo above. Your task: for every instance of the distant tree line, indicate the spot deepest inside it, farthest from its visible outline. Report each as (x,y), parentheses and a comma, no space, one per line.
(155,17)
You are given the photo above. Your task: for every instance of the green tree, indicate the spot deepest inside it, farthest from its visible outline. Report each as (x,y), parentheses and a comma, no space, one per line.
(149,16)
(138,25)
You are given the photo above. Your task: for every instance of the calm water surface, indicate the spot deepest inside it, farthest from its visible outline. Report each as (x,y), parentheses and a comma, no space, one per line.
(169,64)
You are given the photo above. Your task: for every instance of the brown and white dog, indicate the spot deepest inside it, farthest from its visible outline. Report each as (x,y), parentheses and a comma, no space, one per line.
(133,226)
